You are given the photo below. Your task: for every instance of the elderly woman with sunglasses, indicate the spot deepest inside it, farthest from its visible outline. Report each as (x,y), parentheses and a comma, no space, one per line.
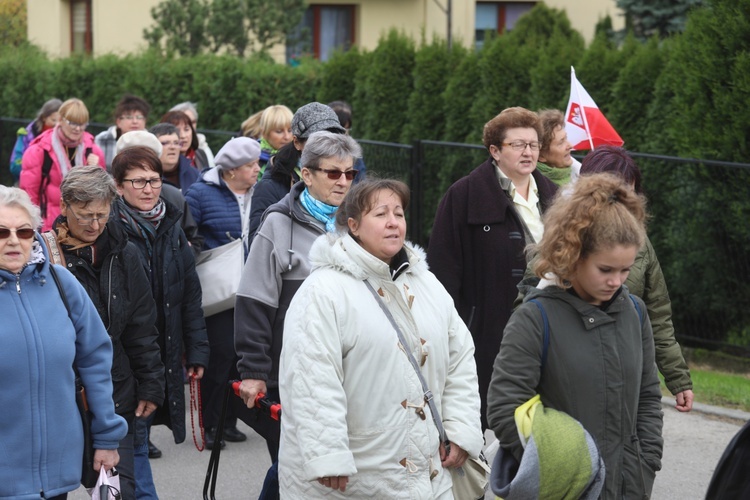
(53,154)
(277,264)
(49,328)
(97,251)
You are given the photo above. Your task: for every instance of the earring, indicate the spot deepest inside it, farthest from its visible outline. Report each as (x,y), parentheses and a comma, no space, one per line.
(231,175)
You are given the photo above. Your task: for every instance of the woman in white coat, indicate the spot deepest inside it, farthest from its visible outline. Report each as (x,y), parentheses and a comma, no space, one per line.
(355,423)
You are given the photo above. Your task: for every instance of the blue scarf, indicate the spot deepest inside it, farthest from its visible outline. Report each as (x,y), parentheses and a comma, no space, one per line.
(322,212)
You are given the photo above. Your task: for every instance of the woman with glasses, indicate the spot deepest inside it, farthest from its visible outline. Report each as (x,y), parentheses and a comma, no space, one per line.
(53,154)
(152,224)
(482,226)
(96,250)
(278,263)
(49,328)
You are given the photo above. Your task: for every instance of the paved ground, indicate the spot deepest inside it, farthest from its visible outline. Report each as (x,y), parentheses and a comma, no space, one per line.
(693,444)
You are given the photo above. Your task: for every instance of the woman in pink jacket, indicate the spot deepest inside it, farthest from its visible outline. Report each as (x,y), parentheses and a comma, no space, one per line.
(53,153)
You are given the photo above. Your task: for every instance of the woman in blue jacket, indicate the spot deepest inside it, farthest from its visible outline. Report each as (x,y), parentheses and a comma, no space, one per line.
(41,438)
(220,205)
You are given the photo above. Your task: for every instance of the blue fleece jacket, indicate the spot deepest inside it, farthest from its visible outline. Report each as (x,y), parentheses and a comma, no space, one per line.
(41,439)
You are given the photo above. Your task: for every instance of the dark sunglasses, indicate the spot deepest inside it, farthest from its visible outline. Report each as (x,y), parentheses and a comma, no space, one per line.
(335,175)
(23,234)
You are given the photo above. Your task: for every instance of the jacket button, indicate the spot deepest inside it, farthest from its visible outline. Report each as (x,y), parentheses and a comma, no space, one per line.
(114,296)
(591,320)
(170,370)
(117,405)
(169,337)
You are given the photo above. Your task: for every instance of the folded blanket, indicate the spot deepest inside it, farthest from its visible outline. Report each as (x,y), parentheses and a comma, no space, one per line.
(560,458)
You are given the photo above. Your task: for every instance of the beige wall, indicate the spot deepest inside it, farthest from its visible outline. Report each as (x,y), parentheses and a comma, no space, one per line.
(118,25)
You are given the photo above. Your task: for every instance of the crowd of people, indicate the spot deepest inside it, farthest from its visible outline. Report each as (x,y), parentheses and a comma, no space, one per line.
(539,289)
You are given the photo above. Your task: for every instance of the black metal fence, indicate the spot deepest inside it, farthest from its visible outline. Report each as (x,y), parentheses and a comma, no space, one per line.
(699,226)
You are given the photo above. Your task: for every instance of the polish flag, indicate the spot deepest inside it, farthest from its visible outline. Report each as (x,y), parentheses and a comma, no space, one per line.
(585,125)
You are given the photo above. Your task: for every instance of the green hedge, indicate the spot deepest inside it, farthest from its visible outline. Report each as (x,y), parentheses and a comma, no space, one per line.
(688,95)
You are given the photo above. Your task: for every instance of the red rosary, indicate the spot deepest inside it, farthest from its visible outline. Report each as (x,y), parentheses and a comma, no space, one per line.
(195,407)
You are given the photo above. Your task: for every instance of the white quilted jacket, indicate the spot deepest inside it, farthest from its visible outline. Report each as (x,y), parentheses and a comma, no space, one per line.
(353,405)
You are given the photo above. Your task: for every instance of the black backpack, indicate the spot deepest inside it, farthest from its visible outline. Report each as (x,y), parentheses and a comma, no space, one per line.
(44,182)
(731,479)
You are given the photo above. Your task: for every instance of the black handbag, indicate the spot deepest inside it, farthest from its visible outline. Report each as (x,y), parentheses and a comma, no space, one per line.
(89,476)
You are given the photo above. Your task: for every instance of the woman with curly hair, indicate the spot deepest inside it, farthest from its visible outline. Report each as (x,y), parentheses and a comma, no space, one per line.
(597,362)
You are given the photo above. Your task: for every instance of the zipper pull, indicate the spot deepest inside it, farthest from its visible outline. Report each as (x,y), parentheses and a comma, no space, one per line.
(18,285)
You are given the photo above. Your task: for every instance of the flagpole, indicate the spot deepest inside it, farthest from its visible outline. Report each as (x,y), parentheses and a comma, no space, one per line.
(583,109)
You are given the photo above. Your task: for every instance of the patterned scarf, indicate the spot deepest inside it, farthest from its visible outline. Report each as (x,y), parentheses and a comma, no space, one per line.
(321,211)
(93,253)
(60,143)
(142,225)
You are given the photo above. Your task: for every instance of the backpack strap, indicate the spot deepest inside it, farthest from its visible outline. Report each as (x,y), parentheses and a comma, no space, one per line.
(44,182)
(545,344)
(637,308)
(46,168)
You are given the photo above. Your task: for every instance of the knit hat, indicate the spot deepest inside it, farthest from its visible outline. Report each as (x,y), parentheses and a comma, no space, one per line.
(138,138)
(560,458)
(237,152)
(314,117)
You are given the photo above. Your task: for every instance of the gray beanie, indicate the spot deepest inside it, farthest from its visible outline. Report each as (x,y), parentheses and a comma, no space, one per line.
(237,152)
(315,117)
(139,138)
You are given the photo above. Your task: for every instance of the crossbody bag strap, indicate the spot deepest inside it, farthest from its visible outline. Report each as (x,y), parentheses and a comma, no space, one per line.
(64,298)
(427,393)
(55,252)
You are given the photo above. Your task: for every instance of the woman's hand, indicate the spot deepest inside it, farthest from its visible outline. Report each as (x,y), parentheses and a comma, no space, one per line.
(249,389)
(145,408)
(335,482)
(195,372)
(684,400)
(106,459)
(92,160)
(455,458)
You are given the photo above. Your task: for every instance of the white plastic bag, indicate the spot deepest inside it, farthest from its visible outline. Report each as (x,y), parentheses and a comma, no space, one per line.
(107,487)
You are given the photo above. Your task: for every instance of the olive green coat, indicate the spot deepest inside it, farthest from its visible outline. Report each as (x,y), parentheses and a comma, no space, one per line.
(599,369)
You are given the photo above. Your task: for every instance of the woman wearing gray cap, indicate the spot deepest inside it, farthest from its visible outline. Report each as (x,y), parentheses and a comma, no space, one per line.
(283,168)
(220,205)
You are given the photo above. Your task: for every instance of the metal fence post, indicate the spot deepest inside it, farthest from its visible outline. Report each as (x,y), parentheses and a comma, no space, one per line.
(417,194)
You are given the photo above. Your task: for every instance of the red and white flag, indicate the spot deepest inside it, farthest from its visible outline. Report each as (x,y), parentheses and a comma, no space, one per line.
(585,124)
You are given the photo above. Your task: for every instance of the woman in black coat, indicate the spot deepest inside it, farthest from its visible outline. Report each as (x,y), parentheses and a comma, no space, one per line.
(152,223)
(108,266)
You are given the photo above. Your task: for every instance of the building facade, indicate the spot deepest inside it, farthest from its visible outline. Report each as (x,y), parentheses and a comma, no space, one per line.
(98,27)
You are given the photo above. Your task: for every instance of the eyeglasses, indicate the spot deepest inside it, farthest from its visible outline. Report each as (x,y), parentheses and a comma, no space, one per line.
(25,233)
(73,125)
(87,221)
(141,183)
(521,145)
(138,118)
(335,174)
